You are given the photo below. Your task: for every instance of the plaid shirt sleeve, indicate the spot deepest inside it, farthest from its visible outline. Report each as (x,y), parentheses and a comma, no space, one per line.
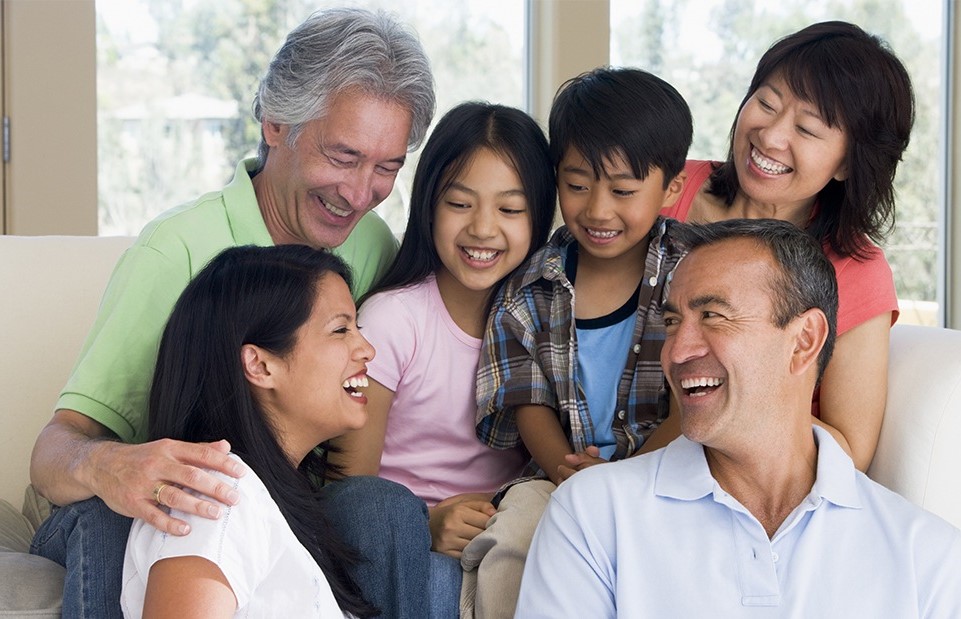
(508,373)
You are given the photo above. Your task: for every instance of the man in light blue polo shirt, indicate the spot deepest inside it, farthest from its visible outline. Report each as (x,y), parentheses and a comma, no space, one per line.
(343,100)
(752,512)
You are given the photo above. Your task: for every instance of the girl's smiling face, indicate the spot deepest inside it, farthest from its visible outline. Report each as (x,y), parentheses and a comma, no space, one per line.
(482,225)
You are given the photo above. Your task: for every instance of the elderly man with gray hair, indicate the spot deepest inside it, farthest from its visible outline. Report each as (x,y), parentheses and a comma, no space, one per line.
(346,97)
(754,511)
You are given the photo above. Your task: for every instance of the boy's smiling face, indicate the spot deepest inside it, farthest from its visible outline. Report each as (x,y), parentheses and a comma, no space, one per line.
(611,216)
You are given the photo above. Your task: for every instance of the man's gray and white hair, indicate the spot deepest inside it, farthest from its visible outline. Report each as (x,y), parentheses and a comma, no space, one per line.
(343,48)
(804,279)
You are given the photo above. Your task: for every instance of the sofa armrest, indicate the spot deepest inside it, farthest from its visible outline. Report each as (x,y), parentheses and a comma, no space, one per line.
(919,451)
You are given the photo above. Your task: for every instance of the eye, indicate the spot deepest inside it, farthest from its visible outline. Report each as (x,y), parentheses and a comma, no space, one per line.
(764,105)
(807,132)
(709,315)
(576,188)
(457,205)
(343,163)
(388,170)
(624,193)
(513,211)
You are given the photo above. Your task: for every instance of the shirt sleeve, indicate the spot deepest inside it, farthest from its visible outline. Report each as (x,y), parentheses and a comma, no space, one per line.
(237,543)
(865,289)
(111,380)
(509,373)
(387,324)
(564,551)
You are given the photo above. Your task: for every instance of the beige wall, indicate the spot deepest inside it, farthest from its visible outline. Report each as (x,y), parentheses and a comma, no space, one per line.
(51,177)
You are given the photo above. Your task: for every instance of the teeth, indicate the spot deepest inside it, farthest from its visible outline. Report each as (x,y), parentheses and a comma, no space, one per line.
(354,382)
(484,255)
(768,165)
(602,234)
(692,383)
(336,211)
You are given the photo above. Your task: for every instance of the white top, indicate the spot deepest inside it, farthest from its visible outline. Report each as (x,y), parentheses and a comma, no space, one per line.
(430,364)
(269,570)
(655,536)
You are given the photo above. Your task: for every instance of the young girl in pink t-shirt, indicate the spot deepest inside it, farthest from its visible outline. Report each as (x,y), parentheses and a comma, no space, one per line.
(482,202)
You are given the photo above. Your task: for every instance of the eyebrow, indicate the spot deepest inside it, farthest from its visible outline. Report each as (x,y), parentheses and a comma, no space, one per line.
(621,176)
(353,152)
(699,302)
(462,187)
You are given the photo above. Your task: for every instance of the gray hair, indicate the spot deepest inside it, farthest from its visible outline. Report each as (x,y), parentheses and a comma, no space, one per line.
(805,277)
(337,49)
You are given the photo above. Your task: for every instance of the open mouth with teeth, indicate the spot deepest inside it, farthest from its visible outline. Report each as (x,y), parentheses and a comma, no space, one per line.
(481,255)
(337,212)
(768,166)
(601,235)
(352,384)
(701,386)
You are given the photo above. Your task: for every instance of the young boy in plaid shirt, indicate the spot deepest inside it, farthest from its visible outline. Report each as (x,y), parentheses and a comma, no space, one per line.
(580,383)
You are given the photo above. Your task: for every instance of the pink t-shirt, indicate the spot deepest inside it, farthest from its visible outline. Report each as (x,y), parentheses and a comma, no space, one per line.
(865,288)
(430,365)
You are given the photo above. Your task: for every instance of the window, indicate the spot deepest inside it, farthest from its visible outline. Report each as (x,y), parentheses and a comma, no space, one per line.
(176,78)
(708,50)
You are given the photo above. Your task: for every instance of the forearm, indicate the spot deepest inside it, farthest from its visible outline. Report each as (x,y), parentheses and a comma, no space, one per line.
(541,431)
(64,458)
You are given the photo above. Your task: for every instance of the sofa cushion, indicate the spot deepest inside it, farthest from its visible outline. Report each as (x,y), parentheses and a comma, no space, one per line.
(29,586)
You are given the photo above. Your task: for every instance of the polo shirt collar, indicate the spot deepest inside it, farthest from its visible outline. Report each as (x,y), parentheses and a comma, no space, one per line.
(243,213)
(683,473)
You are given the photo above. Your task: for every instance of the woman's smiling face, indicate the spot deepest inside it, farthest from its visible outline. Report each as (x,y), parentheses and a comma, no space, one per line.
(784,152)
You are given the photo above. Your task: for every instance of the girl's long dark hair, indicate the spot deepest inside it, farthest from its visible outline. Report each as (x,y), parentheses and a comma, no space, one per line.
(463,131)
(260,296)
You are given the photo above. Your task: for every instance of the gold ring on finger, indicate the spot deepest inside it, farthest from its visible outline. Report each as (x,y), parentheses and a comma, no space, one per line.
(158,493)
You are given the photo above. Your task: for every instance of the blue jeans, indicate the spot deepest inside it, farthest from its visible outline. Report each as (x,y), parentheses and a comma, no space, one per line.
(89,540)
(384,521)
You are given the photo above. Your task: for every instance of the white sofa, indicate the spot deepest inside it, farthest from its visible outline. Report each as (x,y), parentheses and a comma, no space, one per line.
(50,288)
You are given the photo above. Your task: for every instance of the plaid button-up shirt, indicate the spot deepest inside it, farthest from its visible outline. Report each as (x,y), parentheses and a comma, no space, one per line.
(529,354)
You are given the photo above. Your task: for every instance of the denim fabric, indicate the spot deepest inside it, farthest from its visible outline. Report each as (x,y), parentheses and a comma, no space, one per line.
(445,584)
(89,540)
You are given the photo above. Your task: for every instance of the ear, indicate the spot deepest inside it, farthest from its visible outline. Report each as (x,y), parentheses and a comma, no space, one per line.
(841,174)
(674,189)
(257,364)
(274,133)
(811,333)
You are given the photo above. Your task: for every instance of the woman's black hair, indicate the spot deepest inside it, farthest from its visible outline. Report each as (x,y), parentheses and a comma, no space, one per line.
(463,131)
(260,296)
(859,85)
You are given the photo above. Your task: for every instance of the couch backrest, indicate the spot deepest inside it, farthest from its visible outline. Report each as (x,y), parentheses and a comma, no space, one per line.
(919,452)
(50,289)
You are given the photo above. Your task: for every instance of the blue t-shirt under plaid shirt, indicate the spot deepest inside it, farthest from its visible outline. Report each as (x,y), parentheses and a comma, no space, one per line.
(530,350)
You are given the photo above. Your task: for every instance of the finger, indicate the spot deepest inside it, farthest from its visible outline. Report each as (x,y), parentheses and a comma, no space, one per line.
(593,450)
(210,456)
(162,521)
(203,483)
(565,472)
(176,498)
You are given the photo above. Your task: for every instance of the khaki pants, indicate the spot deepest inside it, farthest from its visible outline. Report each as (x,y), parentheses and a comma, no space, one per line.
(493,561)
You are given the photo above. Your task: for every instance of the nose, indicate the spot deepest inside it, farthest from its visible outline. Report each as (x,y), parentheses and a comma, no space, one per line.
(684,342)
(483,224)
(357,188)
(597,207)
(774,136)
(363,350)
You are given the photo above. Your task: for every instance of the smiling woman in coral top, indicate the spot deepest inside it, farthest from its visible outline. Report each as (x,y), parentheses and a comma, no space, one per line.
(816,142)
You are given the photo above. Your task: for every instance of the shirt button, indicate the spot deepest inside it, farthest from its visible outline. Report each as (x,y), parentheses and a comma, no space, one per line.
(637,348)
(774,556)
(621,414)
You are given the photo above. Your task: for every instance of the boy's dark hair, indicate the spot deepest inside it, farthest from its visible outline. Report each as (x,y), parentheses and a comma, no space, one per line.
(859,85)
(463,131)
(260,296)
(624,112)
